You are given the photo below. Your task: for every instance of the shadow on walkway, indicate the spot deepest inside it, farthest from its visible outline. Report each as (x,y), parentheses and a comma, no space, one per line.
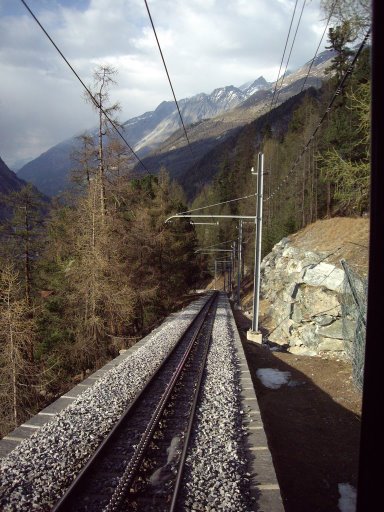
(313,439)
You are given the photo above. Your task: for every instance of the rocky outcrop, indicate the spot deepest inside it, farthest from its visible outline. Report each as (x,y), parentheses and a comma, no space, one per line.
(304,294)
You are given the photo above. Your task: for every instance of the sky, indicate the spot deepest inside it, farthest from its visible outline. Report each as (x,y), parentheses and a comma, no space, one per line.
(206,44)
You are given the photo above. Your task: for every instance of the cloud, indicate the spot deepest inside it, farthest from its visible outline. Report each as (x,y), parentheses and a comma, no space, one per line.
(206,44)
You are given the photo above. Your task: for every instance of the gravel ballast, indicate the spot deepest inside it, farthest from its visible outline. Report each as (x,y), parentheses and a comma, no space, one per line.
(216,477)
(37,472)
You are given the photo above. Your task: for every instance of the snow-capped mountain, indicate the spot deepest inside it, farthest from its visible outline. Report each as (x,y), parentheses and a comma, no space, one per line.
(146,132)
(260,84)
(218,112)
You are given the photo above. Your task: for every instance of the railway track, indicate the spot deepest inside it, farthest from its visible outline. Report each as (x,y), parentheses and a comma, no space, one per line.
(139,465)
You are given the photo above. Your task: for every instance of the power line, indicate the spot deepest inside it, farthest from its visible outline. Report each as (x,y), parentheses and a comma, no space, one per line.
(217,204)
(318,46)
(290,51)
(169,78)
(282,58)
(98,105)
(336,93)
(171,86)
(220,243)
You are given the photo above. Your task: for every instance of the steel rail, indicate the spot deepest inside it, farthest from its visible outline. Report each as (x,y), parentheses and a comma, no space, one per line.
(130,472)
(190,426)
(62,504)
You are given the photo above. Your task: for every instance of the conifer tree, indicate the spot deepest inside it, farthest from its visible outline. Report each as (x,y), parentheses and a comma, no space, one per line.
(103,80)
(339,37)
(357,13)
(85,159)
(23,231)
(349,171)
(17,336)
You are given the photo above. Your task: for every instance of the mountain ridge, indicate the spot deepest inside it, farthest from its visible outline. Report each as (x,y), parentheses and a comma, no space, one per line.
(9,181)
(152,133)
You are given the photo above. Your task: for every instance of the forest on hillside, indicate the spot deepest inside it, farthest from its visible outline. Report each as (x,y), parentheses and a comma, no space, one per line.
(306,177)
(90,273)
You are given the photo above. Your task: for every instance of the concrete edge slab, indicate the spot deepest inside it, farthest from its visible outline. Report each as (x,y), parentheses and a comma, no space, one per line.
(6,446)
(264,484)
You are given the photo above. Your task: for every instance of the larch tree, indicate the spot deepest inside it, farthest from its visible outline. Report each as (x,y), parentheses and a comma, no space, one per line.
(85,158)
(100,296)
(86,274)
(103,79)
(163,265)
(23,231)
(350,172)
(358,14)
(17,335)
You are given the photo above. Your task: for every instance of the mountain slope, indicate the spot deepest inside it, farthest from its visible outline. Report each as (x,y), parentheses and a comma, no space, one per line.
(145,133)
(238,109)
(9,182)
(193,177)
(157,135)
(183,162)
(50,171)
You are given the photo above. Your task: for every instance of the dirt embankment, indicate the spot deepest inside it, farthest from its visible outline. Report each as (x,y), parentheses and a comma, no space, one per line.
(343,237)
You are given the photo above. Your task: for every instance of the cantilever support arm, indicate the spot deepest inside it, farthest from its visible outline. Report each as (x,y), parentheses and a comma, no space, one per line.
(209,251)
(204,223)
(209,216)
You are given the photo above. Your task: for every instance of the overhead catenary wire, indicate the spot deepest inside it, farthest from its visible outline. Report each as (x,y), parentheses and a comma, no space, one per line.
(169,78)
(273,102)
(336,93)
(282,58)
(170,84)
(93,99)
(318,46)
(281,64)
(290,51)
(113,124)
(317,49)
(217,204)
(219,243)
